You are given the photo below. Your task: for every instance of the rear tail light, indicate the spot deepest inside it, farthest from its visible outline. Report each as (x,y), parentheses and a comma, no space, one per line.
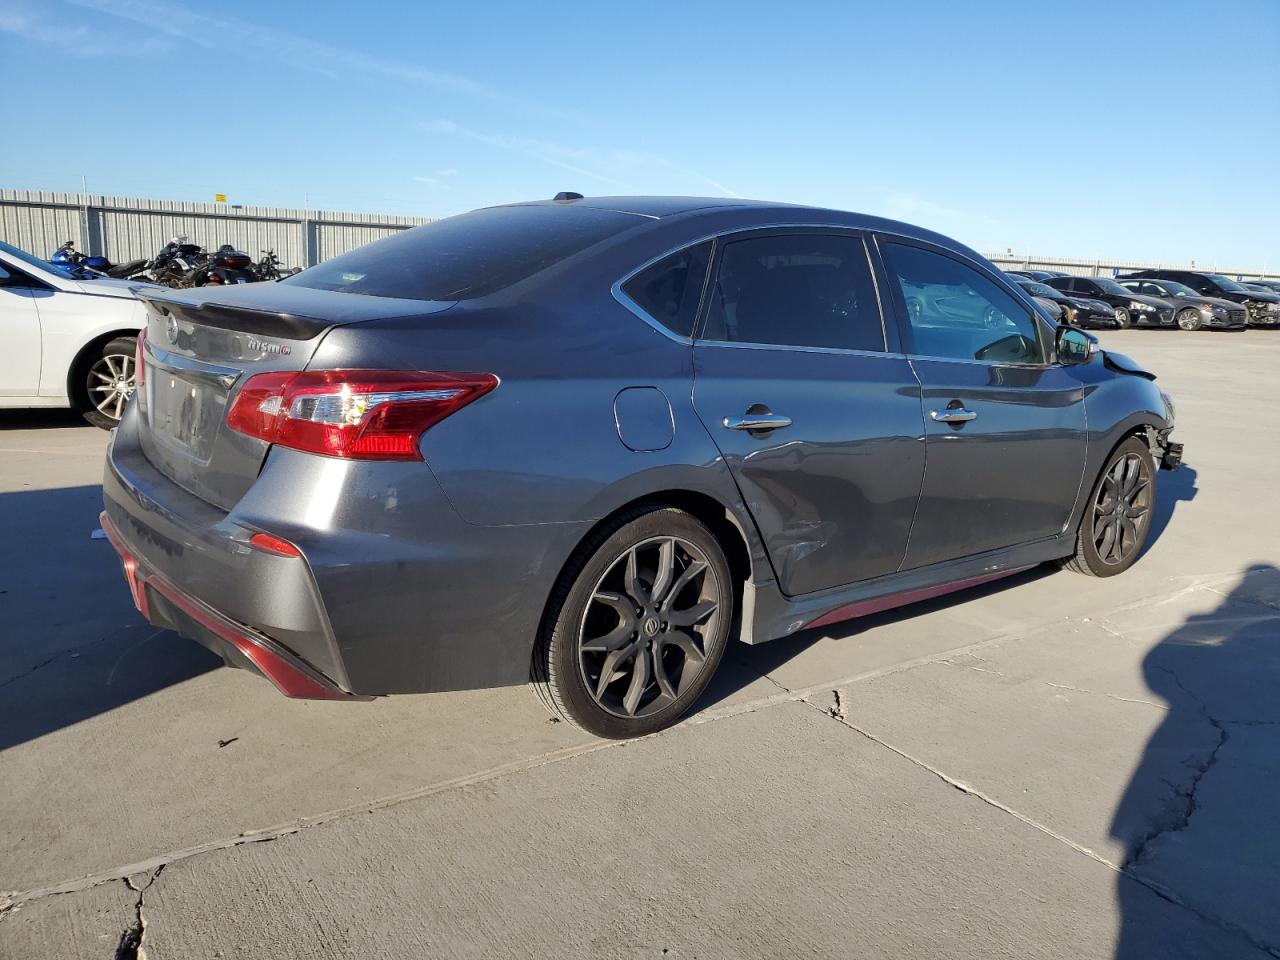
(353,414)
(139,359)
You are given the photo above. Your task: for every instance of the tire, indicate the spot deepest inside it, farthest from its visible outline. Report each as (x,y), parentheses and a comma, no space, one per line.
(111,366)
(1123,319)
(592,625)
(1189,319)
(1100,553)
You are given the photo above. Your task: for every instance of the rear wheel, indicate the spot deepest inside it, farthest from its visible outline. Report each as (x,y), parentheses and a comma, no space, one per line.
(108,382)
(1117,520)
(1189,319)
(637,625)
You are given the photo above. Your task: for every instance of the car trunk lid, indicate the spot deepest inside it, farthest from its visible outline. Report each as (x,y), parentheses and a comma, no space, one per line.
(201,347)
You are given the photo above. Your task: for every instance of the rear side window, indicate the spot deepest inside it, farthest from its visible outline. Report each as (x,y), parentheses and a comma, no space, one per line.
(669,291)
(802,290)
(468,256)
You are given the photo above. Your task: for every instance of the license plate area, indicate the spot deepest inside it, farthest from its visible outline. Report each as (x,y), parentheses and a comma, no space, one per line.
(186,414)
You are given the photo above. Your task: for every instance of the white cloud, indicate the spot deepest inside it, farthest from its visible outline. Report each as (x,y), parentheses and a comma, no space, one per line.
(911,206)
(585,161)
(79,40)
(295,50)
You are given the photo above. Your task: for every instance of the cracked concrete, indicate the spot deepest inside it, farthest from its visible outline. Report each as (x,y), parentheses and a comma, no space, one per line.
(1047,767)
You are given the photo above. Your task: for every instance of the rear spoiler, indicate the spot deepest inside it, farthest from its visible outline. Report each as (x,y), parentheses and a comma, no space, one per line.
(286,325)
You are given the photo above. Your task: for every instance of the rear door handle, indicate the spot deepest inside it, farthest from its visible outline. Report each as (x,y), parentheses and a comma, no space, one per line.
(953,415)
(757,421)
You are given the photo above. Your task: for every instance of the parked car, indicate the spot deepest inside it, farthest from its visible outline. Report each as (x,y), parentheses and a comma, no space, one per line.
(476,452)
(1264,308)
(68,342)
(1077,311)
(1194,311)
(1130,309)
(1266,286)
(1052,306)
(1040,276)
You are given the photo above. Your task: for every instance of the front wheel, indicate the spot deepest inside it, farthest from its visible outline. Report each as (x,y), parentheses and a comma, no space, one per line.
(1117,520)
(1122,318)
(108,382)
(1189,319)
(637,625)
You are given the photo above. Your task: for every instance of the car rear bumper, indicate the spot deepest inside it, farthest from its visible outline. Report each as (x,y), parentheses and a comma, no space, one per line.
(392,591)
(166,605)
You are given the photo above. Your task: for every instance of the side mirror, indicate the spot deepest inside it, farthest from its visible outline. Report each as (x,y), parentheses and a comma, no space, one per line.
(1074,346)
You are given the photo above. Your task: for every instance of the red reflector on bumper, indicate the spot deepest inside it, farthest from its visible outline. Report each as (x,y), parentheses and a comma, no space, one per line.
(265,541)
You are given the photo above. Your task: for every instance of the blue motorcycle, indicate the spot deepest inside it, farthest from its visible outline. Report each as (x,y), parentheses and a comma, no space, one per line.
(84,267)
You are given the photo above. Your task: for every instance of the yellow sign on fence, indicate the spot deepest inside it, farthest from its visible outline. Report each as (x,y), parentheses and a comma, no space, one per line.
(219,198)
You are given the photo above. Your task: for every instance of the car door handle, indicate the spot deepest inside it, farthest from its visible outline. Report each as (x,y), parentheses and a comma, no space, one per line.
(953,415)
(757,421)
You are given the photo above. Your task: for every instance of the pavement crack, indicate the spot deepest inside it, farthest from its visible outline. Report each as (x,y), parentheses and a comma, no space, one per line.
(70,652)
(1185,796)
(134,935)
(1126,869)
(1109,696)
(837,707)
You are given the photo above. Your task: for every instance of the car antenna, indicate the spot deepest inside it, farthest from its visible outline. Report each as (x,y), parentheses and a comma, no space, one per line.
(564,196)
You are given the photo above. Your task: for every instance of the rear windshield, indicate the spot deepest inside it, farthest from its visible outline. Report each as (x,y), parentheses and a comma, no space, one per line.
(468,256)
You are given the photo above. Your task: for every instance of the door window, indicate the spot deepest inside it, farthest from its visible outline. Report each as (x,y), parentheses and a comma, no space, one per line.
(800,290)
(957,313)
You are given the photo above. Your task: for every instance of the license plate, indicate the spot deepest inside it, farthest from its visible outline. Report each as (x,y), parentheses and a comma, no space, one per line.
(241,280)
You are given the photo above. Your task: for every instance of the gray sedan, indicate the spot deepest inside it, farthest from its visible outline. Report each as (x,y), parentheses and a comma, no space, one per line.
(585,443)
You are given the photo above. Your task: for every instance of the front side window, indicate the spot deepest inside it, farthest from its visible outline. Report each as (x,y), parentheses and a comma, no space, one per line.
(957,313)
(800,290)
(669,291)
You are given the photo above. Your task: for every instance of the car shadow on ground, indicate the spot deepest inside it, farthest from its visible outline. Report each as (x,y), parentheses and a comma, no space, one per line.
(1172,487)
(72,645)
(40,419)
(1196,819)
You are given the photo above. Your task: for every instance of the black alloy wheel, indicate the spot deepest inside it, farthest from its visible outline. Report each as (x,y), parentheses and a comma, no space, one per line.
(637,626)
(1117,521)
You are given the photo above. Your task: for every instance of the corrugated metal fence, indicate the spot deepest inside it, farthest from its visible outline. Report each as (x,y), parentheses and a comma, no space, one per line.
(1080,268)
(127,228)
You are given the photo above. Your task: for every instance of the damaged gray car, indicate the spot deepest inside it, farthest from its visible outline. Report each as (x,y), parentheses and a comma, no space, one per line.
(586,443)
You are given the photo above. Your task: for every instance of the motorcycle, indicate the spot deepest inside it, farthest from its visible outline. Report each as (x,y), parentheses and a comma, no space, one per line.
(268,268)
(85,267)
(178,263)
(227,265)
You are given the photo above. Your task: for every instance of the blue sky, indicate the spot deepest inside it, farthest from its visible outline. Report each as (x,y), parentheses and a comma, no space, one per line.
(1141,130)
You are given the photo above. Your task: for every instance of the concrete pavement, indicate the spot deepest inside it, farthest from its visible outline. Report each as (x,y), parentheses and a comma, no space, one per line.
(1051,766)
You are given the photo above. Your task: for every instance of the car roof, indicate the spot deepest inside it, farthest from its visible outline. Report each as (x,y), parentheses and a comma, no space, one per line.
(655,207)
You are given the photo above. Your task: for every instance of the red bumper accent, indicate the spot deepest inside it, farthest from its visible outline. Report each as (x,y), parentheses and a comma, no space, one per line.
(864,608)
(291,676)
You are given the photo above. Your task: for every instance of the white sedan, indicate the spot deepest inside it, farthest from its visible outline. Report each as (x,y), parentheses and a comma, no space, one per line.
(67,342)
